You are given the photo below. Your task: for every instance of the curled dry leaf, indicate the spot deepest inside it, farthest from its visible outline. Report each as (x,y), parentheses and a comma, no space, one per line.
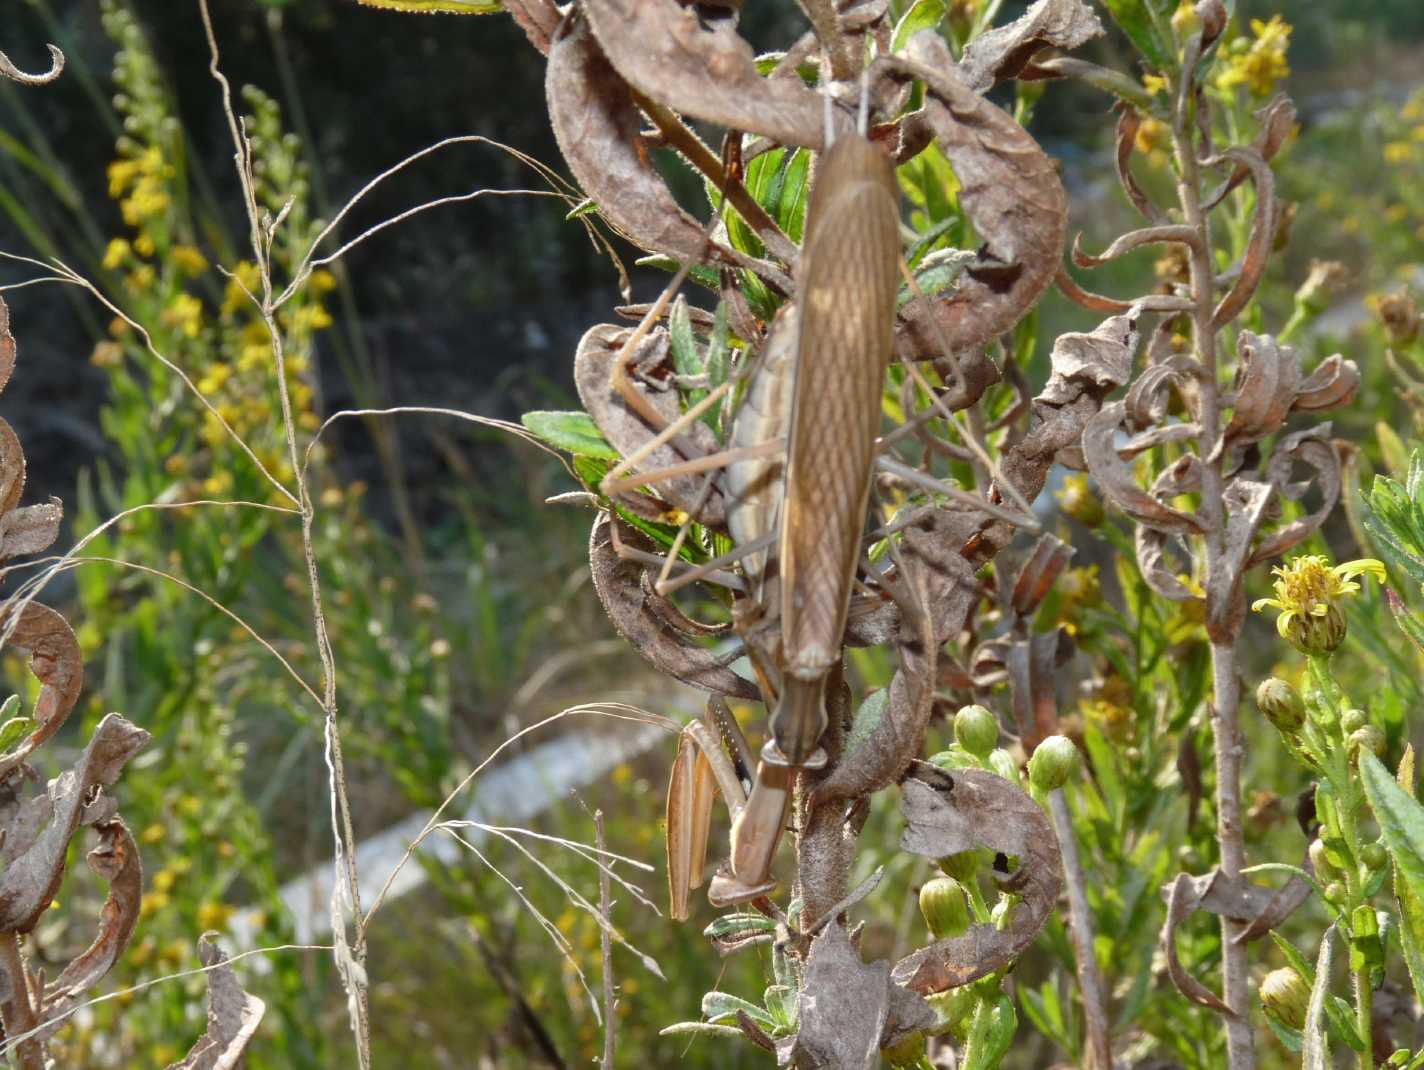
(627,431)
(1164,234)
(980,810)
(1009,190)
(1037,575)
(39,830)
(1313,448)
(695,62)
(850,1008)
(1333,383)
(1263,232)
(1151,547)
(1258,907)
(1116,478)
(1268,379)
(539,19)
(233,1016)
(1277,119)
(12,72)
(1031,663)
(598,126)
(619,584)
(896,738)
(1005,52)
(1102,358)
(115,860)
(30,529)
(1128,123)
(55,660)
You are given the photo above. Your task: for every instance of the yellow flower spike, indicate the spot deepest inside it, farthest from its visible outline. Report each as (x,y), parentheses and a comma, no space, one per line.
(116,253)
(189,260)
(1308,590)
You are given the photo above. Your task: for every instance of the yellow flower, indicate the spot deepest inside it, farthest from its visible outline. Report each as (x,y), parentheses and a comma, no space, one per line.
(143,245)
(116,253)
(121,176)
(323,281)
(1154,83)
(188,260)
(1397,152)
(218,484)
(142,278)
(147,200)
(153,834)
(1262,63)
(185,315)
(217,375)
(1308,590)
(214,915)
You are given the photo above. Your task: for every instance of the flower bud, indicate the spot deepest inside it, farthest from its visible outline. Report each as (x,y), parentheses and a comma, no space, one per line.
(977,730)
(1077,500)
(906,1053)
(962,866)
(1002,762)
(1053,762)
(945,906)
(1367,738)
(1326,277)
(1286,997)
(1324,869)
(1317,635)
(1374,855)
(1353,719)
(953,1010)
(1281,704)
(1335,893)
(1400,318)
(1185,20)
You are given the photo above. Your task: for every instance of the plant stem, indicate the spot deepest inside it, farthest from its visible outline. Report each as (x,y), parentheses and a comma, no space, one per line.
(17,1011)
(605,907)
(1090,979)
(1223,623)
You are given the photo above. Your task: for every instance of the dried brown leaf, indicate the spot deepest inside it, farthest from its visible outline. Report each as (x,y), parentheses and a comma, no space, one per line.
(1268,379)
(1313,448)
(9,70)
(1183,899)
(39,831)
(844,1006)
(619,584)
(1010,191)
(1333,382)
(1116,478)
(539,19)
(1246,502)
(55,660)
(1031,663)
(1005,52)
(695,62)
(627,431)
(1263,233)
(598,124)
(233,1017)
(30,529)
(1151,547)
(1037,574)
(1165,234)
(1278,120)
(1102,358)
(1128,123)
(115,860)
(980,810)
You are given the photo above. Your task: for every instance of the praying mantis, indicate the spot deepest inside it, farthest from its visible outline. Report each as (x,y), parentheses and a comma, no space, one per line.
(792,483)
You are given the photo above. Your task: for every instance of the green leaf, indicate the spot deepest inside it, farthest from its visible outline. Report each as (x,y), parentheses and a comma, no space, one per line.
(1411,930)
(1136,20)
(702,1028)
(437,7)
(719,1006)
(1400,818)
(572,431)
(700,273)
(922,15)
(737,924)
(14,729)
(685,358)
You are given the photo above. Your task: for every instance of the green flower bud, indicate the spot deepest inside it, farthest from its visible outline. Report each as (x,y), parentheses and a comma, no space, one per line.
(1002,762)
(953,1010)
(962,867)
(1077,500)
(1281,704)
(1286,997)
(1367,738)
(1053,762)
(1353,719)
(945,906)
(1374,855)
(1324,869)
(1317,635)
(905,1054)
(977,730)
(1335,893)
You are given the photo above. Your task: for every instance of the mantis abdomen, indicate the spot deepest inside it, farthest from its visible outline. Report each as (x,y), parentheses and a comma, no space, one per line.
(846,311)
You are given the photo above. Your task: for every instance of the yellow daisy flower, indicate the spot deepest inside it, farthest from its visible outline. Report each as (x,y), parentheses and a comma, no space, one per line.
(1308,589)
